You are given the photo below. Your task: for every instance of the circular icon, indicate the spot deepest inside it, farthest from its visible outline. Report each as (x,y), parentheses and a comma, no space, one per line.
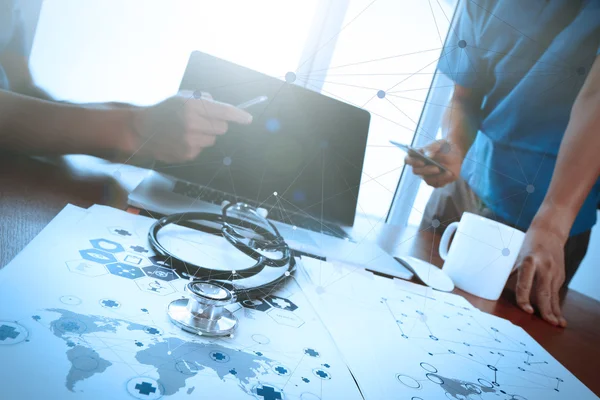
(408,381)
(474,388)
(321,374)
(486,383)
(428,367)
(145,388)
(261,339)
(70,300)
(435,378)
(12,333)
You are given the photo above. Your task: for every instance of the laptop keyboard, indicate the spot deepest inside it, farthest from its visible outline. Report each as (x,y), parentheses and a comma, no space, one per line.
(277,214)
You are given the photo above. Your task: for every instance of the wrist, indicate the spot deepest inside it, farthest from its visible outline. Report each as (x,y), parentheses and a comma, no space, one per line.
(554,218)
(114,131)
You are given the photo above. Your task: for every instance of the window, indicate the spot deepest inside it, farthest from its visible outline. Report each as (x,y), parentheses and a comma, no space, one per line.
(136,51)
(380,55)
(385,59)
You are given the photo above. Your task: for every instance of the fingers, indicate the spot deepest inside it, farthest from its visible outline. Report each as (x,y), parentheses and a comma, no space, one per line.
(555,300)
(427,170)
(524,284)
(413,162)
(433,148)
(198,124)
(544,298)
(221,111)
(438,180)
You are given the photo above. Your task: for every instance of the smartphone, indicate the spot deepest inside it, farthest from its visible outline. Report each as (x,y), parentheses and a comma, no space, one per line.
(417,154)
(253,102)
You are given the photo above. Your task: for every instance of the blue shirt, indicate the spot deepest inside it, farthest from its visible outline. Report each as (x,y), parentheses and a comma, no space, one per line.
(529,58)
(11,34)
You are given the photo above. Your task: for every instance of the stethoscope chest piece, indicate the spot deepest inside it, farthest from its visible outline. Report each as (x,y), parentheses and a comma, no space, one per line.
(204,312)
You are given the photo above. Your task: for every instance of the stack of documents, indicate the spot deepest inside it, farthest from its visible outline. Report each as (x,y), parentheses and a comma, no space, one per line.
(83,314)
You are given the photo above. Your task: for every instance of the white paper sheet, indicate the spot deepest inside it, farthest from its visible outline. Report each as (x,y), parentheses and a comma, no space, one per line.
(83,316)
(401,343)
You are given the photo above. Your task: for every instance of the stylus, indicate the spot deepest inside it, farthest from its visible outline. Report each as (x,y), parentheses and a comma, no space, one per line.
(253,102)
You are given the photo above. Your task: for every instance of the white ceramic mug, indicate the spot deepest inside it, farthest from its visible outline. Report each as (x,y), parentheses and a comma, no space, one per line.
(481,256)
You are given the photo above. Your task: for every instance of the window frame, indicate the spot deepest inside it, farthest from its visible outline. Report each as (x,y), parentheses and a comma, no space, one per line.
(440,91)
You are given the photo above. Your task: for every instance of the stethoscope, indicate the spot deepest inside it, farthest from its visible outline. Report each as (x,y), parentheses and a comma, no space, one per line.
(210,290)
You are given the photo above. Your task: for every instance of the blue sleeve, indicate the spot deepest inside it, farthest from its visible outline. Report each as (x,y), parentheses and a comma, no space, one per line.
(462,58)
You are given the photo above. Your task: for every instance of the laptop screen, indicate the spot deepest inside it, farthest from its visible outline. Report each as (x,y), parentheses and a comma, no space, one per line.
(304,146)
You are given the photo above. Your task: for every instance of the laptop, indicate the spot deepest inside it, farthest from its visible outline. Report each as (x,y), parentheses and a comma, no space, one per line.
(301,159)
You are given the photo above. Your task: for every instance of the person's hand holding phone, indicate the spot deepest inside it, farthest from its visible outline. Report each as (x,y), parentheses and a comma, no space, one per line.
(443,152)
(178,128)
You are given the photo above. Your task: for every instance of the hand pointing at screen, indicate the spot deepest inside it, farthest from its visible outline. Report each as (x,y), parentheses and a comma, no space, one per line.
(178,128)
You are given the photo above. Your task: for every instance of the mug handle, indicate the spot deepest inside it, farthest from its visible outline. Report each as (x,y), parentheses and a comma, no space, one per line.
(445,240)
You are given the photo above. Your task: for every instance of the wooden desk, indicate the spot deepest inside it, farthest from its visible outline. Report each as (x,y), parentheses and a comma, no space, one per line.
(32,192)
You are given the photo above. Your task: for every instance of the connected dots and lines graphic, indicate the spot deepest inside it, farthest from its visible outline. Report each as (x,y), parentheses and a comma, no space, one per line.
(428,344)
(444,349)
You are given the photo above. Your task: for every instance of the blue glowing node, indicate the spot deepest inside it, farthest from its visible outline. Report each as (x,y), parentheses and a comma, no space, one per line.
(273,125)
(233,371)
(381,94)
(290,77)
(305,380)
(462,44)
(299,196)
(139,344)
(122,232)
(327,365)
(227,161)
(258,353)
(281,370)
(36,317)
(197,94)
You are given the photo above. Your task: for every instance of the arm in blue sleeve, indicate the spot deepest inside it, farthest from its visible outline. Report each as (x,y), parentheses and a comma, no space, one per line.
(461,58)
